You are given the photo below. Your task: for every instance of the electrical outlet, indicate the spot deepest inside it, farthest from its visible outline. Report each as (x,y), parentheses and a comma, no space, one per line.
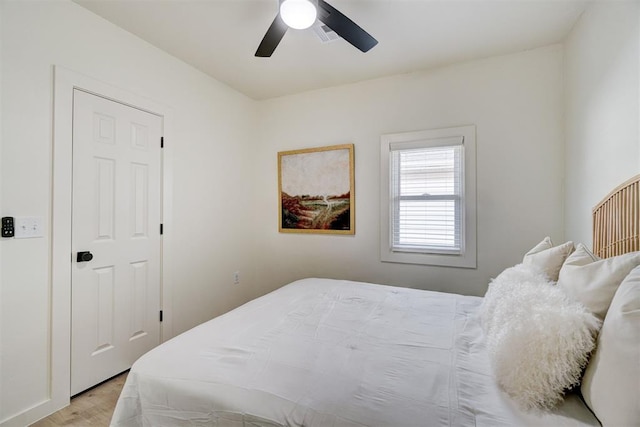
(236,277)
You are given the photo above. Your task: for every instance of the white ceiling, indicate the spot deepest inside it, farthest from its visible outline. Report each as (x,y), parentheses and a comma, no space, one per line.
(219,37)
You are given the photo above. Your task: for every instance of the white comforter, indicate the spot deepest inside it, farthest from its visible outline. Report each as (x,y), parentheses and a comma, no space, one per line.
(322,352)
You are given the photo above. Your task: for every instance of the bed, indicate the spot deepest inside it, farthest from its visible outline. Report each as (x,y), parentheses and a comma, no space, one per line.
(323,352)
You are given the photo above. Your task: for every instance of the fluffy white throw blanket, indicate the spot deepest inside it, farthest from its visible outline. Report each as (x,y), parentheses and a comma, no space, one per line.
(539,340)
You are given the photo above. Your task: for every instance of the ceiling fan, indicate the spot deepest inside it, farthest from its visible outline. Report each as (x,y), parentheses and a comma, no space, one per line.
(301,14)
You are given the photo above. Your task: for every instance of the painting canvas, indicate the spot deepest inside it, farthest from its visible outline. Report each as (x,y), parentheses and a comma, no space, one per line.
(316,189)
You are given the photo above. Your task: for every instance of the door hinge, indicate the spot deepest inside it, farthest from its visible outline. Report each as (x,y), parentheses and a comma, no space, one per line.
(161,315)
(162,142)
(161,229)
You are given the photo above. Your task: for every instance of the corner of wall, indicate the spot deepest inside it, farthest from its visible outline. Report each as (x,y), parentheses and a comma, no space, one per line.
(601,97)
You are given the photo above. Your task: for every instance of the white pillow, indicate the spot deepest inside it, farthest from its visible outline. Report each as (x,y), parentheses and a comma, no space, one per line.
(611,383)
(538,339)
(593,281)
(548,257)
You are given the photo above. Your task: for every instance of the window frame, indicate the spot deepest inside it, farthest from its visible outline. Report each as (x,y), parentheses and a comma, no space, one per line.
(461,135)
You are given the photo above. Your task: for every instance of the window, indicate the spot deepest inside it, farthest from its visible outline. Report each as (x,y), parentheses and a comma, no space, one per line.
(428,197)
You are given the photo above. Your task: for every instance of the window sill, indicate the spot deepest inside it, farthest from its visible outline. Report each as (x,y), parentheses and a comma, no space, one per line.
(441,260)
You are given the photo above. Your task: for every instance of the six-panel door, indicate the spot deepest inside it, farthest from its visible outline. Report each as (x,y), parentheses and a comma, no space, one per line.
(116,217)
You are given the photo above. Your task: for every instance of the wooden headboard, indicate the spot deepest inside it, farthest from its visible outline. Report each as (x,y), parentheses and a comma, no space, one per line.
(616,221)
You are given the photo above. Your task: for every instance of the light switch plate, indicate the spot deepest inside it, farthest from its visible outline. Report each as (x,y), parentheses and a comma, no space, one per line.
(27,227)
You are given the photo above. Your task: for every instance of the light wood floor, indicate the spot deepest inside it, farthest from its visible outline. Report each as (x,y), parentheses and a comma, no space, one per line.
(92,408)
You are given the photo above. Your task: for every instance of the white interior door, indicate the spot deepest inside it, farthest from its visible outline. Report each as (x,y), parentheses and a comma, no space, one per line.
(116,218)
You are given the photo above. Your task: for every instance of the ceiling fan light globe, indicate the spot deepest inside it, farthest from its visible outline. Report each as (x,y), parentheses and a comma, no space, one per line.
(298,14)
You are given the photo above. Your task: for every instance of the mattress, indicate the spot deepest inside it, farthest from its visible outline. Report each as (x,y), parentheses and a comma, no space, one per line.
(321,352)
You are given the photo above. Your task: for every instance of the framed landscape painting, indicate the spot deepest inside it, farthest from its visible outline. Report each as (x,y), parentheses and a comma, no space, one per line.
(316,190)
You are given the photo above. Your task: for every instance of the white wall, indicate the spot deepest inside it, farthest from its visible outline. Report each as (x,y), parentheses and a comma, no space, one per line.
(601,108)
(209,128)
(1,209)
(516,103)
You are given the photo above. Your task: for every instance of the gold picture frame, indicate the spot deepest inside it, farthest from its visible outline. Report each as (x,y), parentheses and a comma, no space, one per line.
(316,190)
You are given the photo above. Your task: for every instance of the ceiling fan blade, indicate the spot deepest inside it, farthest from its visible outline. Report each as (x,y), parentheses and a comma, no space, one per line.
(345,27)
(272,37)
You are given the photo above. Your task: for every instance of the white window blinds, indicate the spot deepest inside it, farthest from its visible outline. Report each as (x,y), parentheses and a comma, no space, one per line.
(427,196)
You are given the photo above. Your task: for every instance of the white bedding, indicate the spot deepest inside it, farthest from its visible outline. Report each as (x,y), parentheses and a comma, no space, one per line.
(322,352)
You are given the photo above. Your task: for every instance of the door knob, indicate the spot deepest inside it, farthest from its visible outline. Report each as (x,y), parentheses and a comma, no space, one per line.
(84,256)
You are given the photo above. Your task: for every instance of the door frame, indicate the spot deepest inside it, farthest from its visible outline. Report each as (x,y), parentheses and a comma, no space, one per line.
(65,82)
